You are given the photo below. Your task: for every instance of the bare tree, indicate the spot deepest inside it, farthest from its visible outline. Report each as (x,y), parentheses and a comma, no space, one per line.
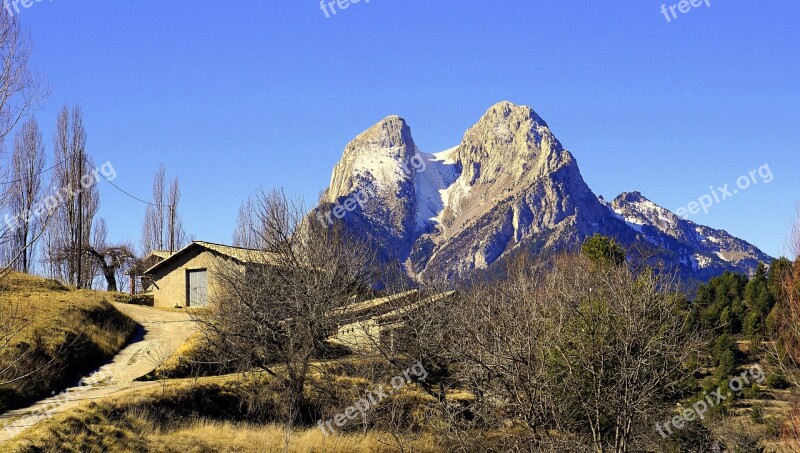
(275,313)
(20,91)
(154,221)
(246,234)
(593,351)
(622,344)
(162,224)
(76,202)
(786,315)
(23,192)
(112,260)
(20,87)
(174,226)
(785,332)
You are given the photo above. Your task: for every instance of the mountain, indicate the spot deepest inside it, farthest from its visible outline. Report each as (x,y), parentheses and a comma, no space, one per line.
(706,251)
(509,186)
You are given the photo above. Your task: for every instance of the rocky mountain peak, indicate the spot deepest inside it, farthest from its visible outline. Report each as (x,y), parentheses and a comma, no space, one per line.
(373,159)
(388,136)
(707,251)
(507,111)
(508,186)
(509,145)
(630,197)
(508,126)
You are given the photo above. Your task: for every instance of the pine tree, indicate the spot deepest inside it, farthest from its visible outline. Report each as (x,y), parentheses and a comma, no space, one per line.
(759,301)
(603,249)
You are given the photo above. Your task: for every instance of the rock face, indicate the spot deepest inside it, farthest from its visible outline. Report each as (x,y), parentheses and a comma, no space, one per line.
(377,171)
(509,186)
(702,251)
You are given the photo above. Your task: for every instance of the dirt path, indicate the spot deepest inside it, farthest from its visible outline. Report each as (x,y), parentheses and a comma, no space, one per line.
(158,336)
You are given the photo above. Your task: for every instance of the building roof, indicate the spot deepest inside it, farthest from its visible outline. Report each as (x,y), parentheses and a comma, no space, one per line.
(397,314)
(152,258)
(240,254)
(163,254)
(374,307)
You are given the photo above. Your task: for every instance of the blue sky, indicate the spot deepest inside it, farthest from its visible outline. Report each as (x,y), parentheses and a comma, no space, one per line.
(233,96)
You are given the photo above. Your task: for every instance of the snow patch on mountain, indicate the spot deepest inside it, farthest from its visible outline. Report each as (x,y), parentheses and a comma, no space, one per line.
(432,185)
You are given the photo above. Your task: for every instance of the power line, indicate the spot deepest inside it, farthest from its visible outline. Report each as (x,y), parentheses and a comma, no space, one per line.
(90,164)
(118,187)
(32,176)
(183,232)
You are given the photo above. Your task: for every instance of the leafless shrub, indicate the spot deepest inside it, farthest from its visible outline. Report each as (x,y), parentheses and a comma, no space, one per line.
(561,356)
(274,313)
(157,356)
(785,347)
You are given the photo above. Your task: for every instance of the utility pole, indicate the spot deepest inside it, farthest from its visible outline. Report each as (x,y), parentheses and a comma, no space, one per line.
(171,228)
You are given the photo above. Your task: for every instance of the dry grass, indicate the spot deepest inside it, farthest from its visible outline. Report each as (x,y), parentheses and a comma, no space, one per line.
(272,438)
(212,436)
(59,334)
(177,365)
(199,415)
(193,358)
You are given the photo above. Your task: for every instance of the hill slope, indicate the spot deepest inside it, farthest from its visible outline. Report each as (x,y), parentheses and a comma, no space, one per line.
(51,335)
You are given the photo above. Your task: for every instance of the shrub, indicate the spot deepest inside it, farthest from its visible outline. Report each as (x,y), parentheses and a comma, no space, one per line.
(777,381)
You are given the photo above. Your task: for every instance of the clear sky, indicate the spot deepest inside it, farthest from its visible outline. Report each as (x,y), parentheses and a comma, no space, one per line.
(237,95)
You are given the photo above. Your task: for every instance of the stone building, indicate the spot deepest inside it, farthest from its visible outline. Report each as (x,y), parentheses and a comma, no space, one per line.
(368,326)
(187,277)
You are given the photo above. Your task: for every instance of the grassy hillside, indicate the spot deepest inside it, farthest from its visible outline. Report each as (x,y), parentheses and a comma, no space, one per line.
(51,336)
(209,414)
(251,411)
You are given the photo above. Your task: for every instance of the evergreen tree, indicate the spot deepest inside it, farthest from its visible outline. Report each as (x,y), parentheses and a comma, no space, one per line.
(603,249)
(719,304)
(759,301)
(724,355)
(779,270)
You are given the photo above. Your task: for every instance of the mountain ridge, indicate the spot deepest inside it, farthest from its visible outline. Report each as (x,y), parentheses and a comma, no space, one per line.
(509,185)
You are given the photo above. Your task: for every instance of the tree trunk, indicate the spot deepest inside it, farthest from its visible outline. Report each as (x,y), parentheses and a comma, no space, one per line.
(108,271)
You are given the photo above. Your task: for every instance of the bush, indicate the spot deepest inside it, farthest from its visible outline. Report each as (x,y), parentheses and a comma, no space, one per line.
(777,381)
(752,392)
(727,365)
(757,414)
